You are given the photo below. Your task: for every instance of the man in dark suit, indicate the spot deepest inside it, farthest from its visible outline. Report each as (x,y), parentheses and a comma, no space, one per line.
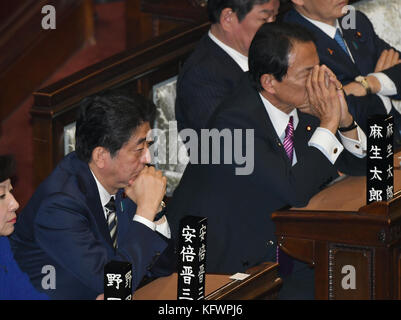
(286,100)
(220,58)
(98,205)
(368,67)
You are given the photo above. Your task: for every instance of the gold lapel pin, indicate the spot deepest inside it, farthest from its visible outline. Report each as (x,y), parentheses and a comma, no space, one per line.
(330,51)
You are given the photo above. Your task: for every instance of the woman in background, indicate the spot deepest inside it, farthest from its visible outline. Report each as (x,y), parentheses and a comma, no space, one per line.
(14,284)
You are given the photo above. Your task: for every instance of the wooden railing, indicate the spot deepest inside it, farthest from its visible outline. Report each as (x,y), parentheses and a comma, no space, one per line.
(138,69)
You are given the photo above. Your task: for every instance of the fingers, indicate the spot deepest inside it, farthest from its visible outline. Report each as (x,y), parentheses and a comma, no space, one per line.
(396,58)
(381,61)
(388,59)
(311,95)
(321,86)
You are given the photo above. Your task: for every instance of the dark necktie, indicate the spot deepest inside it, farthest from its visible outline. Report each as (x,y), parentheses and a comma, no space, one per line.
(339,38)
(112,220)
(285,261)
(289,139)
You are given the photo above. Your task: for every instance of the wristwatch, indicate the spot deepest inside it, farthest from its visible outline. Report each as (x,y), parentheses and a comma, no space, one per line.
(362,80)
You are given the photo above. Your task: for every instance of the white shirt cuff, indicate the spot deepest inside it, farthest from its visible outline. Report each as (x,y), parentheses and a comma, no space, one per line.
(356,147)
(162,228)
(324,140)
(388,87)
(146,222)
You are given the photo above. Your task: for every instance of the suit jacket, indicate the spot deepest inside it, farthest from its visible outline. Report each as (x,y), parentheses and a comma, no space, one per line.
(206,78)
(239,207)
(64,226)
(366,48)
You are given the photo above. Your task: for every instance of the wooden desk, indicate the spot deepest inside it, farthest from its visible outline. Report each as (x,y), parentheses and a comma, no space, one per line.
(354,248)
(263,283)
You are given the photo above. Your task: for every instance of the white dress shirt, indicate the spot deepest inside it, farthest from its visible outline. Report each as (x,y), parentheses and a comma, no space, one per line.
(322,139)
(387,85)
(238,57)
(105,197)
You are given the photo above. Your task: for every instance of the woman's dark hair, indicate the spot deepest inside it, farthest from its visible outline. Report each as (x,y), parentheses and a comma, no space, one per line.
(270,49)
(7,167)
(109,120)
(240,7)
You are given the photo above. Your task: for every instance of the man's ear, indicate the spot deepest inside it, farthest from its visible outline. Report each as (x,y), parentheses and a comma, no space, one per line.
(100,156)
(227,18)
(267,81)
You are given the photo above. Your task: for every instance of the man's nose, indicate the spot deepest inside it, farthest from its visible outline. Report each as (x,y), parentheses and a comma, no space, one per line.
(146,158)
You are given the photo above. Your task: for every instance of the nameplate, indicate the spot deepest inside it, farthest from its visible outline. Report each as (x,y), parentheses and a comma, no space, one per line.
(192,258)
(380,159)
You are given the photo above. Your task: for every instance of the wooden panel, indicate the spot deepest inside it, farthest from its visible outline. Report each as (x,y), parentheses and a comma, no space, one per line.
(351,274)
(301,249)
(321,270)
(182,10)
(365,241)
(263,283)
(138,24)
(74,27)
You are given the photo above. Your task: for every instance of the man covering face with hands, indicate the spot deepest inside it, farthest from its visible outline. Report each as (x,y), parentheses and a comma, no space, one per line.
(295,109)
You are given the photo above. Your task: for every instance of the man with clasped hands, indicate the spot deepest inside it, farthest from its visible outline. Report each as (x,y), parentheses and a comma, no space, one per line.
(99,204)
(303,135)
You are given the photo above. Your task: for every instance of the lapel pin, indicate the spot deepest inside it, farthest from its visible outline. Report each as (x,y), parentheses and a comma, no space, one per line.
(330,51)
(308,128)
(358,35)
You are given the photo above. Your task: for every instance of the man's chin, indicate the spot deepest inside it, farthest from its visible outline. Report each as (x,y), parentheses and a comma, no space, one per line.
(303,107)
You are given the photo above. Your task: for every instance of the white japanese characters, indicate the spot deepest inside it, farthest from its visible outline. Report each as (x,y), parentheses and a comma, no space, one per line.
(192,258)
(380,165)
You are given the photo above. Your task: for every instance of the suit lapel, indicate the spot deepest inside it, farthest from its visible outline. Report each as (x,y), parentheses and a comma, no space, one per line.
(223,58)
(358,46)
(306,127)
(88,187)
(330,52)
(267,130)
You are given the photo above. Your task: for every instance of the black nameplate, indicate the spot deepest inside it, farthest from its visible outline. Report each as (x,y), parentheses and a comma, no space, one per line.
(380,159)
(192,258)
(118,280)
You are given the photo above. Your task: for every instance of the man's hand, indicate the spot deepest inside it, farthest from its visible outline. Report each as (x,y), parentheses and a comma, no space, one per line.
(355,89)
(323,97)
(147,191)
(388,59)
(358,90)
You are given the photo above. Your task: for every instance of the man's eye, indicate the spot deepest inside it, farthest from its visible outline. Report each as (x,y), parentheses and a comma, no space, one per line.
(2,196)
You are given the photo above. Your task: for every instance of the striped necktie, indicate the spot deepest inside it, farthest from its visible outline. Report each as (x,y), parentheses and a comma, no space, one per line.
(339,38)
(112,220)
(289,139)
(286,263)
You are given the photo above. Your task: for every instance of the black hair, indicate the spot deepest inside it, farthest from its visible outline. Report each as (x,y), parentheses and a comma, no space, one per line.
(7,167)
(240,7)
(109,120)
(270,49)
